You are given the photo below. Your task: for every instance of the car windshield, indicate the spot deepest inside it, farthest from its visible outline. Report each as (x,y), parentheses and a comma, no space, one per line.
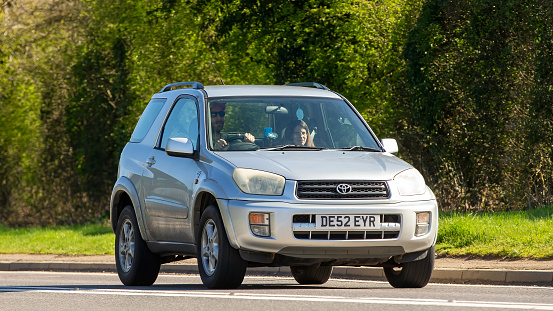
(286,123)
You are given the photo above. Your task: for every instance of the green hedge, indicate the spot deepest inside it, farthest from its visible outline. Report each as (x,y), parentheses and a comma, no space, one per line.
(464,86)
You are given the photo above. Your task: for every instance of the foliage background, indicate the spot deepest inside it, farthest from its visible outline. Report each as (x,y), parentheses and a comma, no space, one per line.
(465,86)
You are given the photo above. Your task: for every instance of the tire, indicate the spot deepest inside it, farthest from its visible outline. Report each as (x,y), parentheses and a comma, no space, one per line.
(311,275)
(136,264)
(415,274)
(219,264)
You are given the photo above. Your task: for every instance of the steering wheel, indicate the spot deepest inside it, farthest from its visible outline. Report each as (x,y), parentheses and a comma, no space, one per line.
(241,145)
(241,137)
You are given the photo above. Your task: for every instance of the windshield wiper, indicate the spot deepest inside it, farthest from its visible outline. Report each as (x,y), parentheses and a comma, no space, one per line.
(292,147)
(360,148)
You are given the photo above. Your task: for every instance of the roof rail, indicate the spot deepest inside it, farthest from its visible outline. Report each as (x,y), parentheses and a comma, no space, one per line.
(311,84)
(169,87)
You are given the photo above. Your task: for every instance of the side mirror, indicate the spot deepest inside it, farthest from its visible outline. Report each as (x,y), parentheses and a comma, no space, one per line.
(179,147)
(390,145)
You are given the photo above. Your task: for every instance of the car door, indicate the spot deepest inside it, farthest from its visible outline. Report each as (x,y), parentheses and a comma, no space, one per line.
(168,181)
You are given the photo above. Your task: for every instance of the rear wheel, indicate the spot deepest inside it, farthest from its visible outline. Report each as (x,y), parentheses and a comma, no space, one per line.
(219,264)
(415,274)
(311,275)
(136,264)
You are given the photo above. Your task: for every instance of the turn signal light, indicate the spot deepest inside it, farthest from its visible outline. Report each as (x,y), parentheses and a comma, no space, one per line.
(259,218)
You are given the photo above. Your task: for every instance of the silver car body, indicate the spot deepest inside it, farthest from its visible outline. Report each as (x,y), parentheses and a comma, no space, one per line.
(168,192)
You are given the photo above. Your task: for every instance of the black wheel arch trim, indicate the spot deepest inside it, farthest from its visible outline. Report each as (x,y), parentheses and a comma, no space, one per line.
(125,186)
(408,257)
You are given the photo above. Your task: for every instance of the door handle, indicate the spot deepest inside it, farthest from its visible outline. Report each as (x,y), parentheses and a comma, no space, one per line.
(151,161)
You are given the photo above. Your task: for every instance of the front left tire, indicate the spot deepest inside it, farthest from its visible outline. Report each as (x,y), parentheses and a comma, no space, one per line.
(415,274)
(136,264)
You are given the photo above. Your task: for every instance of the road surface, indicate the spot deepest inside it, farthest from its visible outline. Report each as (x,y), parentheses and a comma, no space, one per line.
(102,291)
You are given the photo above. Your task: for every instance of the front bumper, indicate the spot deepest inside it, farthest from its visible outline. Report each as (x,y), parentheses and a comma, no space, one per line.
(285,240)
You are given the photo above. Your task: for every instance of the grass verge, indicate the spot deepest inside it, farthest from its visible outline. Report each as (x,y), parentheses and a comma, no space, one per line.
(92,239)
(526,234)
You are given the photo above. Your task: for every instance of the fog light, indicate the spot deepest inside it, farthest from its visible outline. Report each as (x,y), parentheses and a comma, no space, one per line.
(260,230)
(423,223)
(260,224)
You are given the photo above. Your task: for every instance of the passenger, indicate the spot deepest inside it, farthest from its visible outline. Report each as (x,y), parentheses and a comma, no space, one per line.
(298,133)
(217,122)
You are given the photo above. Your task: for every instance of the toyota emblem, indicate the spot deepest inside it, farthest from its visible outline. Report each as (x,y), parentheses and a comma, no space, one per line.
(343,188)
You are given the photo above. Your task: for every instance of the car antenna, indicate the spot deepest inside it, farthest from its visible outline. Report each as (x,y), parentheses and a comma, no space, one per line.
(213,64)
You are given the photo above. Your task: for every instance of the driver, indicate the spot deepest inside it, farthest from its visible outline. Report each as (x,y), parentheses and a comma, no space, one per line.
(217,111)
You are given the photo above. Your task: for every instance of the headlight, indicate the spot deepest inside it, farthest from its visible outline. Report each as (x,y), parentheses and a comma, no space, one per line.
(410,182)
(258,182)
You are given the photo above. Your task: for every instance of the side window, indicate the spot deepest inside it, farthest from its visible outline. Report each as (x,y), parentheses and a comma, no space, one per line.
(147,119)
(182,122)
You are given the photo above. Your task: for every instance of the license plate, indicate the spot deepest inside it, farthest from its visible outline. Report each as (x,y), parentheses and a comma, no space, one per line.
(330,222)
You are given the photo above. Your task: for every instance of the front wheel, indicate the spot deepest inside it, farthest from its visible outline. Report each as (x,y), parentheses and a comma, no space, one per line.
(136,264)
(415,274)
(219,264)
(311,275)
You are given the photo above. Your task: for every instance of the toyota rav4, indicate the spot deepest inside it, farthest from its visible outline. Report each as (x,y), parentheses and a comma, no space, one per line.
(247,176)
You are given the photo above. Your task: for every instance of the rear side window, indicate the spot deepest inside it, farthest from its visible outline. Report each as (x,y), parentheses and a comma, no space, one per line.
(147,119)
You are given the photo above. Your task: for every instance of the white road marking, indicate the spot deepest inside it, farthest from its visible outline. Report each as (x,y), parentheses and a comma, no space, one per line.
(450,284)
(276,297)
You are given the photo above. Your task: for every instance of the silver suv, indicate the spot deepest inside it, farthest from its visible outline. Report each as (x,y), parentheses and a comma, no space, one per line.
(246,176)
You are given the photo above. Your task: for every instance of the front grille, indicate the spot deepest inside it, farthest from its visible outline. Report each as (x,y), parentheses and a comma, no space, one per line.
(360,190)
(304,229)
(345,235)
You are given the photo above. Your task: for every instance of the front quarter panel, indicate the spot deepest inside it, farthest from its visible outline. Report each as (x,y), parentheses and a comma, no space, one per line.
(215,179)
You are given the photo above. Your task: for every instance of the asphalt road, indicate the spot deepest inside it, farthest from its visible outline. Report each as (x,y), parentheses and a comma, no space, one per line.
(27,290)
(458,270)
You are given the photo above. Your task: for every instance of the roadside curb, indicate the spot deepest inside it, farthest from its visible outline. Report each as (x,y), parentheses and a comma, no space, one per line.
(440,275)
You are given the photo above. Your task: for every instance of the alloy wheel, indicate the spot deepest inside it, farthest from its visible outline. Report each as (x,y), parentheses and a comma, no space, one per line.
(210,247)
(126,245)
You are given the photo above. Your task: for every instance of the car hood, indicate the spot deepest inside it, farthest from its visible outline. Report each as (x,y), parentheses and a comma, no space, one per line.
(321,165)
